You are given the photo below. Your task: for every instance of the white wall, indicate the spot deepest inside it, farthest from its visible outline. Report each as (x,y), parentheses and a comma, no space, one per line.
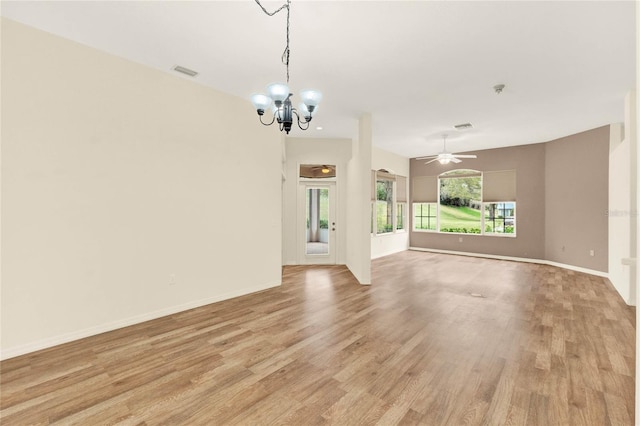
(116,178)
(359,203)
(619,206)
(313,151)
(619,213)
(635,162)
(382,245)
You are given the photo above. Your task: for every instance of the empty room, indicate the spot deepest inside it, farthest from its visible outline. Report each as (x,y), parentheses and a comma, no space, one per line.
(318,212)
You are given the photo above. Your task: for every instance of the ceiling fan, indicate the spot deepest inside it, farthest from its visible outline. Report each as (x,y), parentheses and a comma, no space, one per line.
(446,157)
(314,171)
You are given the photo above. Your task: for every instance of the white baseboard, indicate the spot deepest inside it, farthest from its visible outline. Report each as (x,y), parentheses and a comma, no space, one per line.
(388,253)
(114,325)
(517,259)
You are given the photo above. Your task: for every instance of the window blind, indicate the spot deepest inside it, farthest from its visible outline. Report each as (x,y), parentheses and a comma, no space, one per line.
(499,186)
(401,189)
(373,185)
(424,189)
(385,175)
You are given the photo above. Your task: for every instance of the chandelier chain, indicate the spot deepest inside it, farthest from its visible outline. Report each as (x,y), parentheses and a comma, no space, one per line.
(287,52)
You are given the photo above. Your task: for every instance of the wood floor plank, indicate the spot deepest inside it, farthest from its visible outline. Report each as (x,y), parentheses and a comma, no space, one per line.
(544,346)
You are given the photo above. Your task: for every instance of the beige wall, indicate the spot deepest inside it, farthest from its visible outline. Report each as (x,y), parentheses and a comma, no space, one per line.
(561,195)
(620,194)
(576,193)
(313,151)
(529,163)
(118,180)
(359,202)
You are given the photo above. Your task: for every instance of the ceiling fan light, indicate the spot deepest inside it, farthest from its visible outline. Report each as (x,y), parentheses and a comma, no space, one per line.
(278,92)
(444,160)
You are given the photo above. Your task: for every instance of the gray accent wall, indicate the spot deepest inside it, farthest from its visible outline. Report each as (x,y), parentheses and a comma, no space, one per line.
(576,194)
(528,161)
(561,195)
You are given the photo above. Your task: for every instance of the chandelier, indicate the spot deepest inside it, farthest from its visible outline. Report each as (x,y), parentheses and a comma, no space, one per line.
(278,97)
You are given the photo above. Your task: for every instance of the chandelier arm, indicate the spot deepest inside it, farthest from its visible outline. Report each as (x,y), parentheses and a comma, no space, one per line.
(305,127)
(300,122)
(268,124)
(303,120)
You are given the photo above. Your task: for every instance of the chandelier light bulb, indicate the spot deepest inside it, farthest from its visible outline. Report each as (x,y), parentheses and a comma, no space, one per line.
(305,112)
(278,92)
(311,98)
(261,102)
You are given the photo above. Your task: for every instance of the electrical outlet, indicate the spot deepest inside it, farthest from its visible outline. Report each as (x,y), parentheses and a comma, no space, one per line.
(459,239)
(172,279)
(592,252)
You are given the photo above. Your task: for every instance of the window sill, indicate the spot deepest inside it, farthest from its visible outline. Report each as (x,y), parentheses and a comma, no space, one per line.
(401,231)
(429,231)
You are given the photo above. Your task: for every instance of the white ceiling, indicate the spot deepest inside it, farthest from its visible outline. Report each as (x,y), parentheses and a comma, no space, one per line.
(419,67)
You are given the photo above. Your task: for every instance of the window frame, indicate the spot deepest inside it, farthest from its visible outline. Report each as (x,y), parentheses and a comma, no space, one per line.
(436,218)
(501,234)
(388,204)
(403,214)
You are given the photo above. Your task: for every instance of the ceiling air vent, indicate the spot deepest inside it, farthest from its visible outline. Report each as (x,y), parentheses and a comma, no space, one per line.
(186,71)
(463,126)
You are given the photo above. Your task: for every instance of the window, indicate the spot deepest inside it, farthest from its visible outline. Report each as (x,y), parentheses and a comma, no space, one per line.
(384,206)
(401,203)
(400,209)
(460,209)
(465,202)
(425,216)
(500,218)
(373,209)
(388,202)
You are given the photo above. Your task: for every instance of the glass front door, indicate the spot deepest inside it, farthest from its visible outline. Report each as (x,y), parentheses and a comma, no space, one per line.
(317,207)
(319,224)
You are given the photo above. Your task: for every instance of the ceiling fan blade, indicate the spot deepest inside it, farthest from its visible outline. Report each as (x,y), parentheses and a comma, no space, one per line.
(455,160)
(427,157)
(465,156)
(435,159)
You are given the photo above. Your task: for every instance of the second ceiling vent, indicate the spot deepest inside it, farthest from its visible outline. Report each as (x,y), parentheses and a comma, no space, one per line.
(463,126)
(186,71)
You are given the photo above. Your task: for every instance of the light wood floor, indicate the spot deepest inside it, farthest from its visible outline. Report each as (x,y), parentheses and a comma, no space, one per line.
(544,346)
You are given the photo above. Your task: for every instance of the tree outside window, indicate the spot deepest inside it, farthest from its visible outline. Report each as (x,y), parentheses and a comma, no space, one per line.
(461,202)
(384,206)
